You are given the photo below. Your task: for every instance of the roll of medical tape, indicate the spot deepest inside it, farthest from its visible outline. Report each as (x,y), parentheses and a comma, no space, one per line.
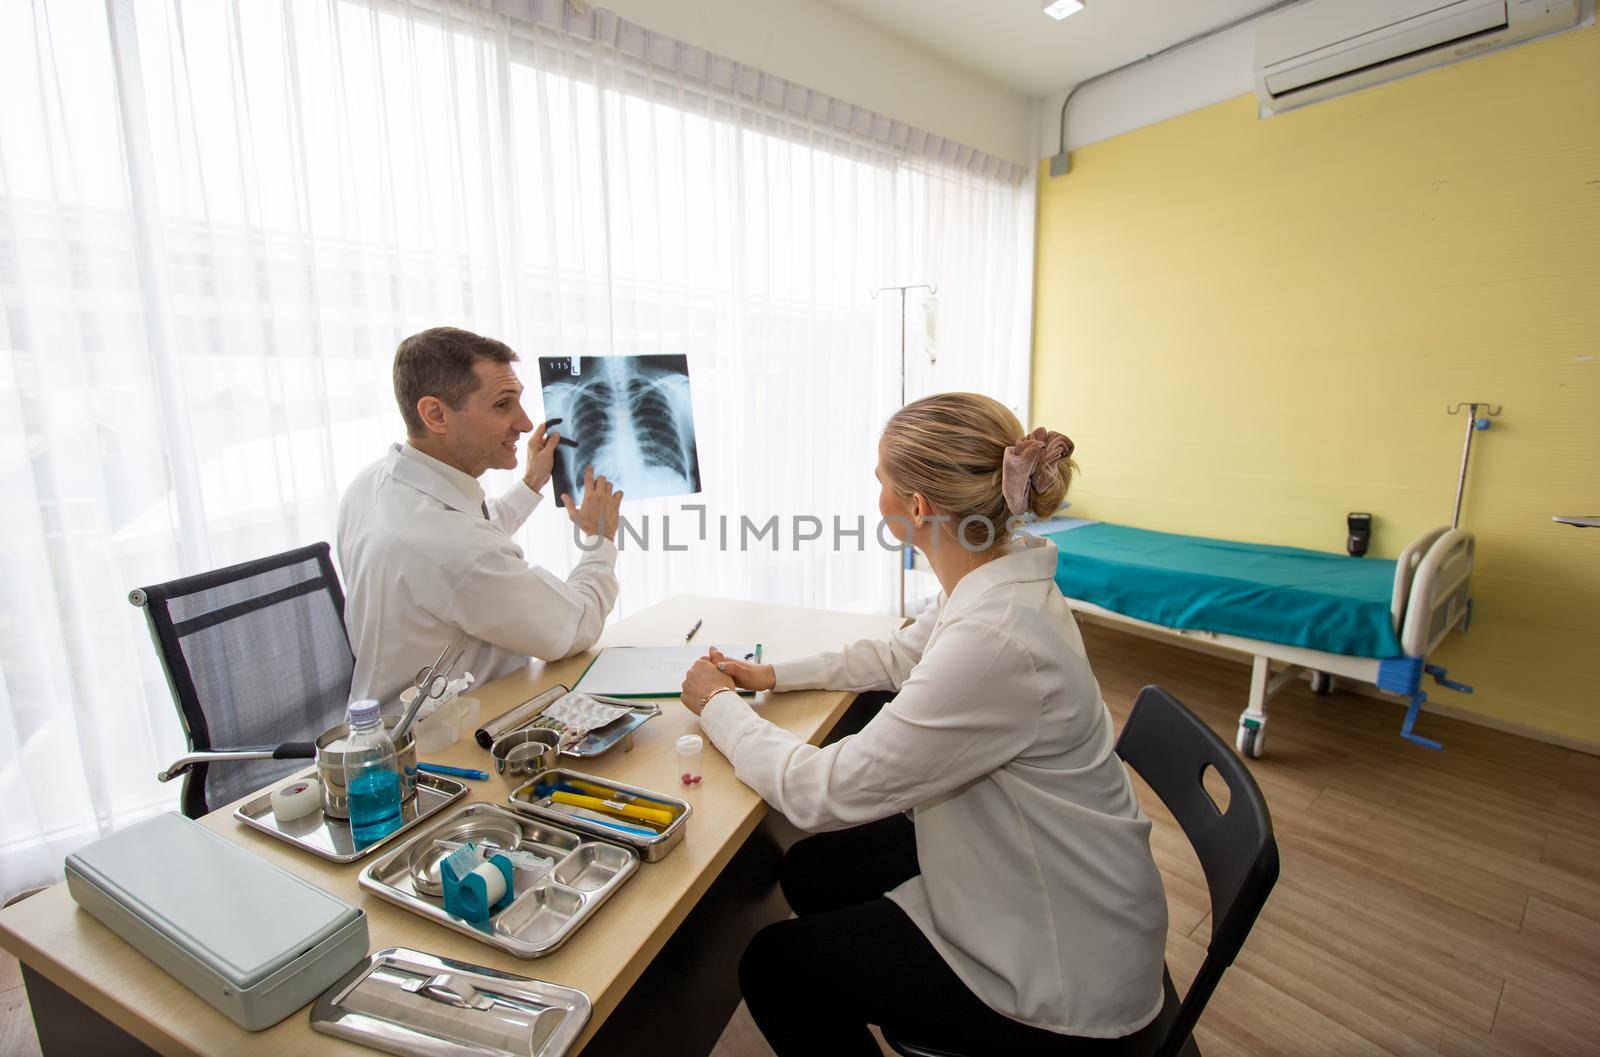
(494,882)
(297,800)
(490,887)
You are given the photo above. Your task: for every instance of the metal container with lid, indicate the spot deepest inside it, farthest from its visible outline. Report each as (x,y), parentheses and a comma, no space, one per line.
(526,751)
(409,1002)
(251,938)
(330,767)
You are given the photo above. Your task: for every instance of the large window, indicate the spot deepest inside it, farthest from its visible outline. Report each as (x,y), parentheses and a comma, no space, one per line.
(217,219)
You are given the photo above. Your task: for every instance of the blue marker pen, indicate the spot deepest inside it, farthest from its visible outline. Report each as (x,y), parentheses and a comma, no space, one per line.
(454,772)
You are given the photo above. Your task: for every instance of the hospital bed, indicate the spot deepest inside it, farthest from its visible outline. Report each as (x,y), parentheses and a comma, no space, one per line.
(1365,619)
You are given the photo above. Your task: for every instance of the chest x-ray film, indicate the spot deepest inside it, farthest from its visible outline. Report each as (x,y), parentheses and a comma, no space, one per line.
(632,419)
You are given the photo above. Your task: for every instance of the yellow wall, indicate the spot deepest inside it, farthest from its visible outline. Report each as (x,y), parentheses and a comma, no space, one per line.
(1251,327)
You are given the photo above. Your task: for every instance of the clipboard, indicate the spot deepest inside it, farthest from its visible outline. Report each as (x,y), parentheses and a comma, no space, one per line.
(628,672)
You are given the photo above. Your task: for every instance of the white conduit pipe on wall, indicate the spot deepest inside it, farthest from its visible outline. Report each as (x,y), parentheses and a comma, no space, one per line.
(1060,165)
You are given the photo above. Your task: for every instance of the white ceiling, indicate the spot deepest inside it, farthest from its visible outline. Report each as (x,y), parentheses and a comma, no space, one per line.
(1014,43)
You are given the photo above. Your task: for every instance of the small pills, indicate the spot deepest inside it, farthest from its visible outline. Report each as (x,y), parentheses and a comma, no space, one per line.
(689,747)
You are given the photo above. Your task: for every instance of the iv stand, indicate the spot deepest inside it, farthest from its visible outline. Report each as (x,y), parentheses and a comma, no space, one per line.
(1474,423)
(933,289)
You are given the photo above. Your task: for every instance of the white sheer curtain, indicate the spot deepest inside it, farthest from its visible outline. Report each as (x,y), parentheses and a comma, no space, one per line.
(218,218)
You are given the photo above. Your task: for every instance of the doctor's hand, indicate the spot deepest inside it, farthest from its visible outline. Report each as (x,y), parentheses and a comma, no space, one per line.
(745,676)
(598,516)
(701,682)
(541,457)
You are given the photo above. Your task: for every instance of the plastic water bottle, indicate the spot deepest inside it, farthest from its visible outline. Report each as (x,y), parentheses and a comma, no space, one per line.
(371,775)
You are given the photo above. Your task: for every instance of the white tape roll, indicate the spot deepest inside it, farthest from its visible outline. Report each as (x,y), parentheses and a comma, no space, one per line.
(493,881)
(297,800)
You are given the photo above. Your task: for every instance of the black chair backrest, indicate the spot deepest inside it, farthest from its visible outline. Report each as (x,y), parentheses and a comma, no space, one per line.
(1170,748)
(256,654)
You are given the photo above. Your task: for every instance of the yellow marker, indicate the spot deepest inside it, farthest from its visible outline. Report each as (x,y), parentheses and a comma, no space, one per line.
(594,803)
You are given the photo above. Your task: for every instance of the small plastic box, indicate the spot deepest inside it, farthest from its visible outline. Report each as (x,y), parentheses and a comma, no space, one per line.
(250,938)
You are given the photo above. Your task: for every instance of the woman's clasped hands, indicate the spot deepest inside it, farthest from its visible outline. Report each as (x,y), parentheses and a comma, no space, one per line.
(716,672)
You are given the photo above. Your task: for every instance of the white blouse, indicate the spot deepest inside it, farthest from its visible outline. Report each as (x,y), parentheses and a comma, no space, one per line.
(428,560)
(1037,885)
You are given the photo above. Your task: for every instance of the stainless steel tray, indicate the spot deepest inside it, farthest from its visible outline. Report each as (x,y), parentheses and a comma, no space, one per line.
(618,730)
(330,837)
(525,800)
(540,919)
(596,742)
(408,1002)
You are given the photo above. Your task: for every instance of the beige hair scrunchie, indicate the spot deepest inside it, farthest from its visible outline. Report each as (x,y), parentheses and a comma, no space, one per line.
(1031,462)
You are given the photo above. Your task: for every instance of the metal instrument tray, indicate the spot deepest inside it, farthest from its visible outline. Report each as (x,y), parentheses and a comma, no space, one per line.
(331,837)
(541,918)
(596,742)
(620,729)
(524,800)
(408,1002)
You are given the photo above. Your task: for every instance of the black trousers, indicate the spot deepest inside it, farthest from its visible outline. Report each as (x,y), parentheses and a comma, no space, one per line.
(854,958)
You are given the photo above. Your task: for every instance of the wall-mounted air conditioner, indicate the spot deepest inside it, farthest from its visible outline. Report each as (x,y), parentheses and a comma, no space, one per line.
(1325,47)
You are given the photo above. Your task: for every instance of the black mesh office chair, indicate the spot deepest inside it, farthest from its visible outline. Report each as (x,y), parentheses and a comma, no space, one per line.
(259,663)
(1169,747)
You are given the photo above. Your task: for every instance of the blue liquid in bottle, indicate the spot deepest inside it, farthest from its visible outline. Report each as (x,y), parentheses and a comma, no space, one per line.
(374,805)
(372,775)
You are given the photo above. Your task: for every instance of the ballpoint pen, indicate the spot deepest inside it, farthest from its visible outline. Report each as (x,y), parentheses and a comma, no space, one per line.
(568,441)
(692,630)
(454,772)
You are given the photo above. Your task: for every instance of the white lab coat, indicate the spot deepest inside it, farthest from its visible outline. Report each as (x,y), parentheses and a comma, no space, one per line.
(1037,886)
(423,566)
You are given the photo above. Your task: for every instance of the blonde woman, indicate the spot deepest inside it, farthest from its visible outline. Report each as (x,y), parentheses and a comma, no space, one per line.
(1018,903)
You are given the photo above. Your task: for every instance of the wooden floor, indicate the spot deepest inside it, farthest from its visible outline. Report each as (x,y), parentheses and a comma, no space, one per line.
(1431,903)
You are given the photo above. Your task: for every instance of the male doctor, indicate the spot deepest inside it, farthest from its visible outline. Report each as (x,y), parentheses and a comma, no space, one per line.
(428,560)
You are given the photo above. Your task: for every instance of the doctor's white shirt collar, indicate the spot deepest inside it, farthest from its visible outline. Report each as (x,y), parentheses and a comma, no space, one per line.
(450,486)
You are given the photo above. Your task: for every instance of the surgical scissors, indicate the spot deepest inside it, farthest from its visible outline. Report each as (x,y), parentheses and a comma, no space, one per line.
(431,683)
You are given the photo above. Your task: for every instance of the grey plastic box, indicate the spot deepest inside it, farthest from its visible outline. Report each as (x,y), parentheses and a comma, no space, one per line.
(252,939)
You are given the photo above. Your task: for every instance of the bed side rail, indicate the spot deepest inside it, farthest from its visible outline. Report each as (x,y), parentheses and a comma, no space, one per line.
(1405,571)
(1438,593)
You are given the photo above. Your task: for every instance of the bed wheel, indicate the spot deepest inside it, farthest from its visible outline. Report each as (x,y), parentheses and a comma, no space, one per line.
(1250,741)
(1321,683)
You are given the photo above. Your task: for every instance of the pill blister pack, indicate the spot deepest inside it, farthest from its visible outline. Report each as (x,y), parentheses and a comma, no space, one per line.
(576,714)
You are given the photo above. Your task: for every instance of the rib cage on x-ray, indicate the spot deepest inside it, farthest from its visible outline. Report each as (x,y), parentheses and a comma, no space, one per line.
(632,418)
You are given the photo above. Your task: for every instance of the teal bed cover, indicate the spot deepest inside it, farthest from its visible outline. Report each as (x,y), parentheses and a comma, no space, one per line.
(1326,602)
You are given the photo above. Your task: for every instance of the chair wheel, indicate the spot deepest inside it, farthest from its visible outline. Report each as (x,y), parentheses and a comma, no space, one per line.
(1321,683)
(1251,742)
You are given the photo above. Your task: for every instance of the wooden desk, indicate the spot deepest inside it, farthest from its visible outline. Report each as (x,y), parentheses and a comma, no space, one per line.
(73,951)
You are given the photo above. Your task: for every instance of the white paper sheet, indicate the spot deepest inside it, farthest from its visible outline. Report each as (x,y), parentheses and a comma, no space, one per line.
(652,671)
